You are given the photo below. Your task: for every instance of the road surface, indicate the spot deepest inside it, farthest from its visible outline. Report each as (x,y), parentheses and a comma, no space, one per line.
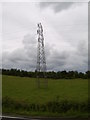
(22,118)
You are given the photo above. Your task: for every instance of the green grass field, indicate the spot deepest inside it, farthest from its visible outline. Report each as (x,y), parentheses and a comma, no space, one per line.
(25,89)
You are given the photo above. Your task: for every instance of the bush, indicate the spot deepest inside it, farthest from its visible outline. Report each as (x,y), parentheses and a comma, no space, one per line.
(55,106)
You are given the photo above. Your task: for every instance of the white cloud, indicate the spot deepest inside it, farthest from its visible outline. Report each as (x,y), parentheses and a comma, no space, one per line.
(64,31)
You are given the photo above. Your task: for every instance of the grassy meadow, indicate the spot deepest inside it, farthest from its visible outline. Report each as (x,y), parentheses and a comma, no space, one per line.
(70,95)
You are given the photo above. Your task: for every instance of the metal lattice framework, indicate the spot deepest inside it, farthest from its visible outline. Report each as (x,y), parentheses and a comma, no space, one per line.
(41,60)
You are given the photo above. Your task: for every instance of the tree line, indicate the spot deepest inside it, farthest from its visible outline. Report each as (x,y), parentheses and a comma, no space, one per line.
(50,74)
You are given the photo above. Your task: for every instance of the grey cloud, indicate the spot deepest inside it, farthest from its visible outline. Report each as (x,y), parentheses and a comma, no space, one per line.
(79,58)
(57,60)
(29,39)
(14,62)
(30,46)
(22,58)
(82,52)
(16,59)
(26,57)
(57,6)
(82,48)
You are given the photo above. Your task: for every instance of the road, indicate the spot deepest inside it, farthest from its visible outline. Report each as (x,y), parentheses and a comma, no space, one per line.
(22,118)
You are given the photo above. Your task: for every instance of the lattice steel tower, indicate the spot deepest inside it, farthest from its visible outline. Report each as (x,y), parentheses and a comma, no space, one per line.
(41,60)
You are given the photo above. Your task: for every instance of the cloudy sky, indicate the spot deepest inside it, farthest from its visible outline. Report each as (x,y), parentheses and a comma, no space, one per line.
(65,27)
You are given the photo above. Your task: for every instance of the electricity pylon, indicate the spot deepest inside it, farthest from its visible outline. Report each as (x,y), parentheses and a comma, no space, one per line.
(41,60)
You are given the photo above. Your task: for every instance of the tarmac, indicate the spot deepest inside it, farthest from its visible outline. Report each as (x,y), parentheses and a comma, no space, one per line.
(40,118)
